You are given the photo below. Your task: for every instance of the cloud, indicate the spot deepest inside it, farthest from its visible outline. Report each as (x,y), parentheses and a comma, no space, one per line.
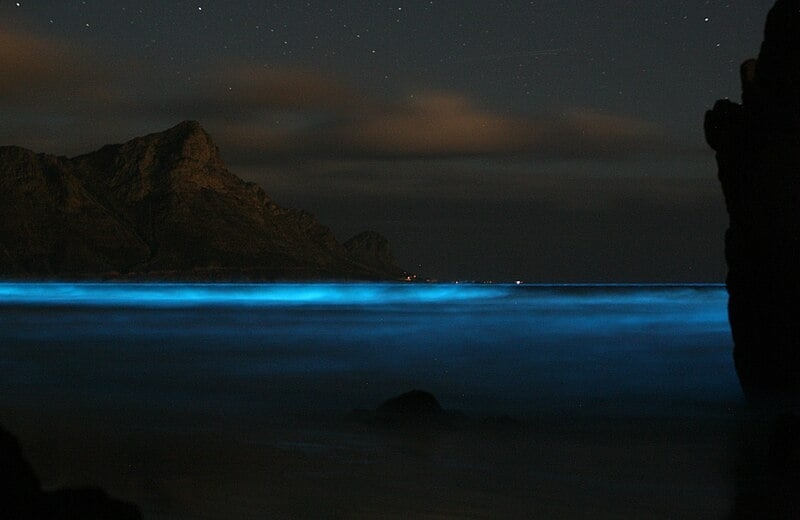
(259,112)
(429,125)
(269,88)
(593,133)
(37,71)
(247,92)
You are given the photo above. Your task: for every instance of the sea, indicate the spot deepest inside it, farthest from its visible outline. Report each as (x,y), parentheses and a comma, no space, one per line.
(329,346)
(81,363)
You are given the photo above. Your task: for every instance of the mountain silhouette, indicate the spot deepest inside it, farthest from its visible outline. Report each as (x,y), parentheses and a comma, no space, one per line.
(163,206)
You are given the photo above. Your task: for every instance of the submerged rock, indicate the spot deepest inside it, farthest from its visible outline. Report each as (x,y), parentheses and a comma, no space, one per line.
(416,405)
(758,155)
(413,409)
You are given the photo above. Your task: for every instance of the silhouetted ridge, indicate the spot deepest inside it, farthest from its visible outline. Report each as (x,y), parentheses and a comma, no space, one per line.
(160,206)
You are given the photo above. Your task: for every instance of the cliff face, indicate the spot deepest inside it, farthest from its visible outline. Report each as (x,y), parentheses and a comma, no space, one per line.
(758,154)
(158,206)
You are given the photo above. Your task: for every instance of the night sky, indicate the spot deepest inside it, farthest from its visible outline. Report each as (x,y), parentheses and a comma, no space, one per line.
(547,141)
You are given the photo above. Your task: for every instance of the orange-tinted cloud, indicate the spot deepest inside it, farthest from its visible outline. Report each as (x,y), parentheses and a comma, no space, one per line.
(437,124)
(285,89)
(245,92)
(258,112)
(431,124)
(34,69)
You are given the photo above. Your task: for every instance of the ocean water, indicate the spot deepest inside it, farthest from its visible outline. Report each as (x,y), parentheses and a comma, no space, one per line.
(231,401)
(224,350)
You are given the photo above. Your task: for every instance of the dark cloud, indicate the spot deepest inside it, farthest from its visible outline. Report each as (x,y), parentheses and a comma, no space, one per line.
(260,113)
(304,115)
(245,93)
(37,72)
(535,220)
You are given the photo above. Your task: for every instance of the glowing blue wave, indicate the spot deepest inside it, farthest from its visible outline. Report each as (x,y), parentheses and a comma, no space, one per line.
(332,345)
(162,294)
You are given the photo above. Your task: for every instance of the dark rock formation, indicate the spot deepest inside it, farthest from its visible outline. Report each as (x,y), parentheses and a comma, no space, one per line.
(414,409)
(19,486)
(22,498)
(162,206)
(758,154)
(371,249)
(414,405)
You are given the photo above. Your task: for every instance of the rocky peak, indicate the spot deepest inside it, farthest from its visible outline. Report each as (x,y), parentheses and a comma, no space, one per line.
(370,248)
(186,144)
(189,141)
(180,158)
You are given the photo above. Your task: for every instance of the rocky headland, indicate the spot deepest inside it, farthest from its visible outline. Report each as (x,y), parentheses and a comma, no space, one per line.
(758,154)
(164,206)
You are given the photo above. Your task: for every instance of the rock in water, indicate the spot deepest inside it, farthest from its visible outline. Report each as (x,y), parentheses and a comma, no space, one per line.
(162,206)
(416,409)
(416,405)
(758,155)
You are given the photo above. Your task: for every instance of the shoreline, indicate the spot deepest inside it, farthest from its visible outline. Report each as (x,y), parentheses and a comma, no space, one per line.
(560,466)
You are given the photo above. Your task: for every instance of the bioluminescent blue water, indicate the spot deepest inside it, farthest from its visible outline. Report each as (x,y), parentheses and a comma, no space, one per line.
(253,348)
(199,294)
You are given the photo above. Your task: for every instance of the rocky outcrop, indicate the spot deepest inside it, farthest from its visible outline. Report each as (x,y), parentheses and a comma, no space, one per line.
(758,155)
(22,498)
(160,206)
(412,410)
(371,249)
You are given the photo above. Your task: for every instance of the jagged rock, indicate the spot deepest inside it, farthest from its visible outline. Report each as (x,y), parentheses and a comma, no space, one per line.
(160,206)
(371,249)
(22,498)
(758,155)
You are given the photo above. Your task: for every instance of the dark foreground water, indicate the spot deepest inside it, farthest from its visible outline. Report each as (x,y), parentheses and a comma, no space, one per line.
(214,401)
